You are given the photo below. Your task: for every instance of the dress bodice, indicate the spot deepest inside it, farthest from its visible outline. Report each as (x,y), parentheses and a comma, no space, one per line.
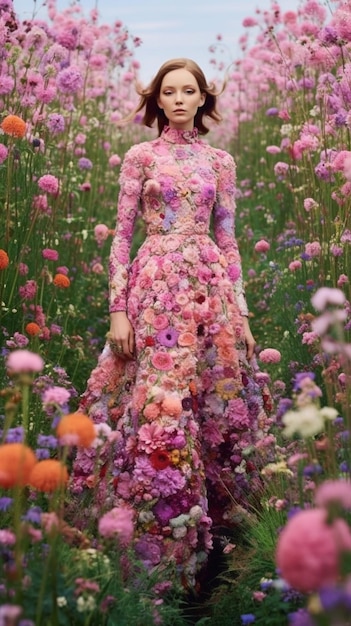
(177,181)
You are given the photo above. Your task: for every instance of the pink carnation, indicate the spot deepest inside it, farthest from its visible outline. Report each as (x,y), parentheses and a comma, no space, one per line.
(295,265)
(308,550)
(49,183)
(55,395)
(118,521)
(262,246)
(309,204)
(162,361)
(50,255)
(21,361)
(270,355)
(313,248)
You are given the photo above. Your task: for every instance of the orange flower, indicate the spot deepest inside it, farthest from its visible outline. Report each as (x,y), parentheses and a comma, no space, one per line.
(14,126)
(48,475)
(4,259)
(61,280)
(16,463)
(33,329)
(76,429)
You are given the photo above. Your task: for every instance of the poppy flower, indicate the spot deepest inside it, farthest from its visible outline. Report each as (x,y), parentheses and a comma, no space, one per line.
(160,459)
(60,280)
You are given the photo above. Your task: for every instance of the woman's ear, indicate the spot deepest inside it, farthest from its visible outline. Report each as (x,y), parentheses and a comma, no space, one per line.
(203,99)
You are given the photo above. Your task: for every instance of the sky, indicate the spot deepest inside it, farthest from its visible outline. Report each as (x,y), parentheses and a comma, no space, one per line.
(168,28)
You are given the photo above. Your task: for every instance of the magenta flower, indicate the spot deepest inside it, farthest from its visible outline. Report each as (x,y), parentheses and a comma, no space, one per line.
(167,337)
(55,123)
(3,153)
(49,183)
(55,395)
(50,255)
(23,361)
(262,246)
(334,492)
(85,164)
(69,80)
(7,84)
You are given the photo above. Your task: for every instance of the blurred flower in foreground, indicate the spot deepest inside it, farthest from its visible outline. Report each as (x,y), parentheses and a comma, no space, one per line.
(48,475)
(76,429)
(24,361)
(4,259)
(14,126)
(16,463)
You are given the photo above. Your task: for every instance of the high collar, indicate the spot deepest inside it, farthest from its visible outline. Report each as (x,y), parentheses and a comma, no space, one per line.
(175,135)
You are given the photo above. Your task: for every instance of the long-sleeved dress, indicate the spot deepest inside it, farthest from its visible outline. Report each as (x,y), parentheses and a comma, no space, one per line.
(186,410)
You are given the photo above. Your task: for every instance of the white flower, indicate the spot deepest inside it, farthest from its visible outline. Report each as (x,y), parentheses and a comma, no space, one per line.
(61,601)
(196,513)
(182,519)
(179,532)
(307,422)
(329,413)
(85,604)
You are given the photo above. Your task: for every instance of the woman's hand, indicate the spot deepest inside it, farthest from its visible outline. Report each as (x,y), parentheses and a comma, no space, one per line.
(249,339)
(121,335)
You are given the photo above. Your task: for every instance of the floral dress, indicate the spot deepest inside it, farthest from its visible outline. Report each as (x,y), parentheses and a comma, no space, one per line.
(185,413)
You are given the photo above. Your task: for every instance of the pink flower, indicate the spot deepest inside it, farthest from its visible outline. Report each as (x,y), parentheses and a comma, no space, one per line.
(101,232)
(313,248)
(55,395)
(326,296)
(7,537)
(3,153)
(309,204)
(334,492)
(308,550)
(262,246)
(295,265)
(162,361)
(342,280)
(270,355)
(21,361)
(114,160)
(49,183)
(69,80)
(118,521)
(50,255)
(273,149)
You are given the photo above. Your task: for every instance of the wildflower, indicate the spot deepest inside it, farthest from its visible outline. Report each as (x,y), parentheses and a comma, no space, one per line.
(262,246)
(9,613)
(4,259)
(61,601)
(69,80)
(55,395)
(76,429)
(61,280)
(49,183)
(48,475)
(16,463)
(24,361)
(32,328)
(55,123)
(307,422)
(270,355)
(14,126)
(247,618)
(160,459)
(114,160)
(3,153)
(29,290)
(85,164)
(118,521)
(5,503)
(49,254)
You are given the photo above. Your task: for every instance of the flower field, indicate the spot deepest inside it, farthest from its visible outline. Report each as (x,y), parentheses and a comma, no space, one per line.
(64,86)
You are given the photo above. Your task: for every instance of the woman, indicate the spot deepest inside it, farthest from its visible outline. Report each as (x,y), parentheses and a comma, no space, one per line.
(175,380)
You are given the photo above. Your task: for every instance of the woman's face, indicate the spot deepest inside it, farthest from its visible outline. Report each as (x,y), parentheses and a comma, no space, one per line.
(180,98)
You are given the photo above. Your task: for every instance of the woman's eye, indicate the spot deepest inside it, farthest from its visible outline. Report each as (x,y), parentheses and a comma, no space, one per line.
(190,91)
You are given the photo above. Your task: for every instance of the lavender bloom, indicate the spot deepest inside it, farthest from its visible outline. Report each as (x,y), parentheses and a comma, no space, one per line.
(69,80)
(15,435)
(85,164)
(5,503)
(55,123)
(48,441)
(42,453)
(33,515)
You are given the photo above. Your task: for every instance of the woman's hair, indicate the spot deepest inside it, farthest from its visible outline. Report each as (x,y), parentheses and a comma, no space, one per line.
(149,96)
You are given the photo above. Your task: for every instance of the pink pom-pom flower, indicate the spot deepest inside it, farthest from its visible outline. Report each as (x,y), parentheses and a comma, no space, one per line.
(270,355)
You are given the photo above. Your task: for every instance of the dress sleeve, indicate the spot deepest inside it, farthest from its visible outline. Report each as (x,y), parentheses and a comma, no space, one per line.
(224,225)
(131,182)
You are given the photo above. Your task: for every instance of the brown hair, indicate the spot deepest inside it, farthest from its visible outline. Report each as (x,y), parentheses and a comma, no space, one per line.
(149,96)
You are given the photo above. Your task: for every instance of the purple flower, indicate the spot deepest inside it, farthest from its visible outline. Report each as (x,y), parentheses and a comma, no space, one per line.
(15,435)
(55,123)
(33,515)
(42,453)
(5,503)
(69,80)
(247,618)
(47,440)
(167,337)
(272,111)
(85,164)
